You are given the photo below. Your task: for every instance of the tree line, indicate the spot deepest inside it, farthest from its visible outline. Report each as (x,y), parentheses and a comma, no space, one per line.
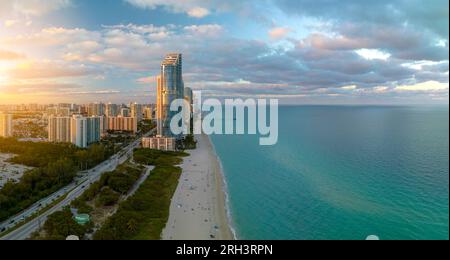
(145,214)
(55,166)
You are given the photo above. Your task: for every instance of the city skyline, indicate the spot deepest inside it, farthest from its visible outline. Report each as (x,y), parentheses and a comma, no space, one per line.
(383,52)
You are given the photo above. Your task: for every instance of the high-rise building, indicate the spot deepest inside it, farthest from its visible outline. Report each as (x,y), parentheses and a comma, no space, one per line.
(78,131)
(94,129)
(136,111)
(148,113)
(188,95)
(59,129)
(170,87)
(6,125)
(96,109)
(58,111)
(125,112)
(159,106)
(112,110)
(119,123)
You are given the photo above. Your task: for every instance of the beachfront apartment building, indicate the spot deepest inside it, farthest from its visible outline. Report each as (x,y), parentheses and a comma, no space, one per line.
(170,87)
(159,143)
(6,125)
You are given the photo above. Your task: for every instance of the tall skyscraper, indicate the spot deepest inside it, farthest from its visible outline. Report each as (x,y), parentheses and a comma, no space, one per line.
(170,87)
(6,125)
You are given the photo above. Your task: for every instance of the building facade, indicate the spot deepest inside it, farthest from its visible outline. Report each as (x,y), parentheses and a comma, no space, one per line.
(136,110)
(94,129)
(125,112)
(96,109)
(148,113)
(112,110)
(159,143)
(78,131)
(119,123)
(59,129)
(6,125)
(170,87)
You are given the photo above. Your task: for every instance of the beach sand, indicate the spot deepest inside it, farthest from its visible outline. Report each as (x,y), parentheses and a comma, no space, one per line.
(198,208)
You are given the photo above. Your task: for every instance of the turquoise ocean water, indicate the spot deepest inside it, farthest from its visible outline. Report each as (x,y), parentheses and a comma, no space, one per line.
(342,173)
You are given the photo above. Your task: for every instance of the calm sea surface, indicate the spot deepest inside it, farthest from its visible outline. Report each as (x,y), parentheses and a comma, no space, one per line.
(342,173)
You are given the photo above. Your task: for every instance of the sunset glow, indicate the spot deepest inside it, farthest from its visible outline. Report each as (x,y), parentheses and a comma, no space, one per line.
(55,49)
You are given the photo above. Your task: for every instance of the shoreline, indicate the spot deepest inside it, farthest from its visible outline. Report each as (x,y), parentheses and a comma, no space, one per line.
(198,209)
(224,188)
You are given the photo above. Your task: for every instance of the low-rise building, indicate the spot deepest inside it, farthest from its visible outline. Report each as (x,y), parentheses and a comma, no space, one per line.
(159,143)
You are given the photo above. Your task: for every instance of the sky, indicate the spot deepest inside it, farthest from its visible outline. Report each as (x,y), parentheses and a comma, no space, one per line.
(298,51)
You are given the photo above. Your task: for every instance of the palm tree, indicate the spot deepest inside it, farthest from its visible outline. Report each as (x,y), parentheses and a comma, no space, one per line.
(131,225)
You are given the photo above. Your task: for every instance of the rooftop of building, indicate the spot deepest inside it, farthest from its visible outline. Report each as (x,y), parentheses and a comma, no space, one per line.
(172,59)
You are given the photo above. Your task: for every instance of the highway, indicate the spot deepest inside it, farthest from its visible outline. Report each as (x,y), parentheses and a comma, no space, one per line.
(75,190)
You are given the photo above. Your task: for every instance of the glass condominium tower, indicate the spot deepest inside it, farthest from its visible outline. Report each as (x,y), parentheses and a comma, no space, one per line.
(170,87)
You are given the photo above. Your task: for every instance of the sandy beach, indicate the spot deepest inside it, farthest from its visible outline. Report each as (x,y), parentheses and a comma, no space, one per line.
(198,209)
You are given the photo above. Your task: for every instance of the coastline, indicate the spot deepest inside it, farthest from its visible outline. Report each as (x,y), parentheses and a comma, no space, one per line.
(198,209)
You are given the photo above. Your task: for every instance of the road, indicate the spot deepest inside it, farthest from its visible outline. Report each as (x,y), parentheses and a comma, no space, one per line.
(76,189)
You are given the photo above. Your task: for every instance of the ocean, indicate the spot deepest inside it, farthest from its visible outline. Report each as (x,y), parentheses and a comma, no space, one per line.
(342,172)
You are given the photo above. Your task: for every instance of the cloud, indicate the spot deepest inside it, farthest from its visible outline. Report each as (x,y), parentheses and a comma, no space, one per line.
(424,86)
(10,23)
(39,88)
(32,7)
(210,30)
(42,70)
(9,55)
(278,33)
(352,87)
(146,80)
(354,50)
(373,54)
(198,12)
(193,8)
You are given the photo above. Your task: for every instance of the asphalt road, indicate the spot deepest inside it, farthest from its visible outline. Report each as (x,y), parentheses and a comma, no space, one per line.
(75,189)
